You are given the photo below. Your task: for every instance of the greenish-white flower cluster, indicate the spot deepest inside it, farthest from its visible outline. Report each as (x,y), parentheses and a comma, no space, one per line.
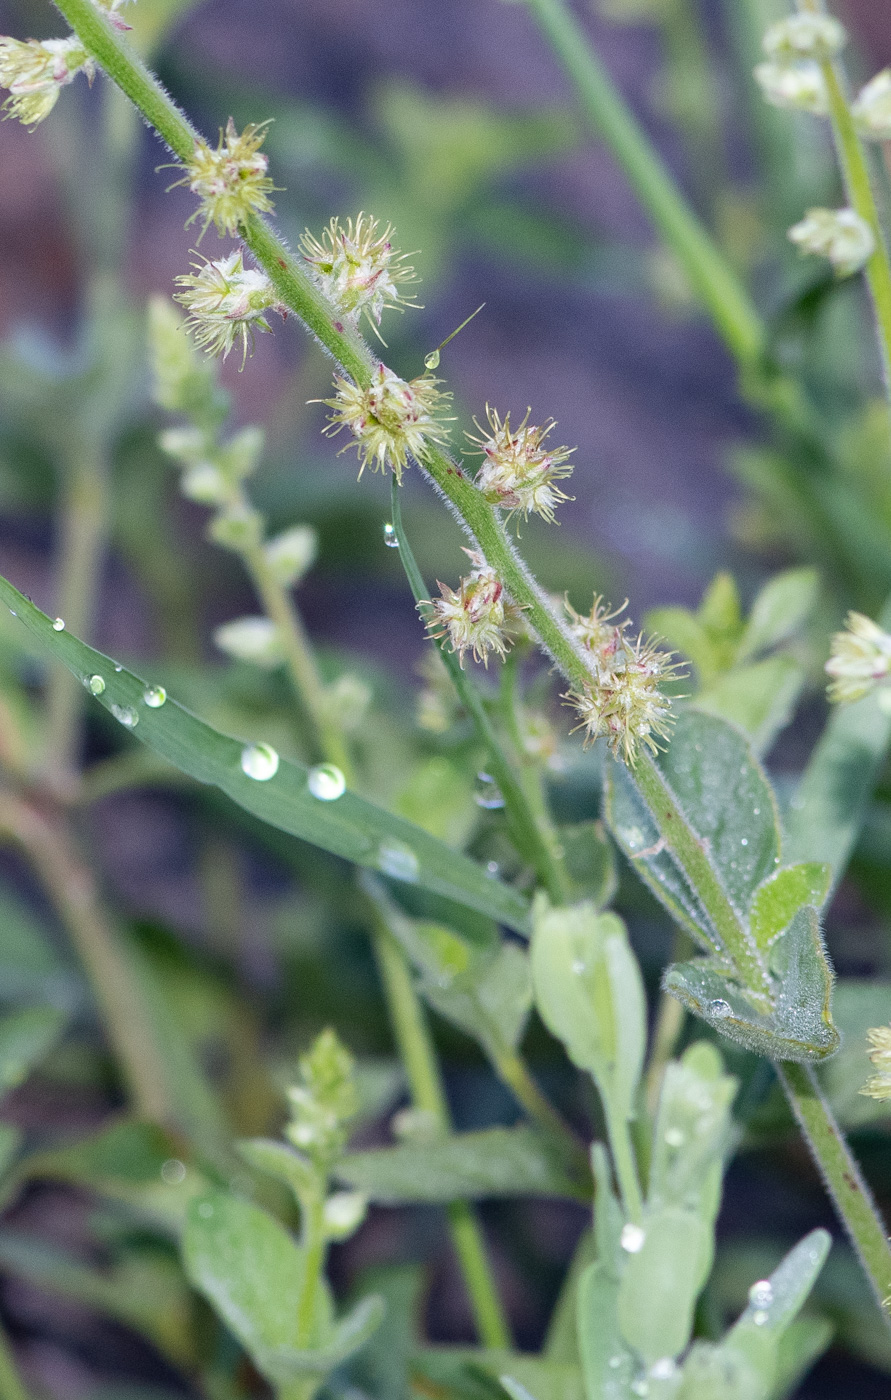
(872,108)
(795,47)
(879,1085)
(35,71)
(231,182)
(860,659)
(477,616)
(519,469)
(226,303)
(358,268)
(391,421)
(840,235)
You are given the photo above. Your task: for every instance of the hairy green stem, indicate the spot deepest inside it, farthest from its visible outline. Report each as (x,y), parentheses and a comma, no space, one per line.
(72,888)
(312,1240)
(419,1057)
(841,1176)
(530,829)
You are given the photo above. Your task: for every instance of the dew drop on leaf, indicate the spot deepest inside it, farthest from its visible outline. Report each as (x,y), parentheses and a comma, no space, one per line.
(719,1008)
(326,782)
(95,684)
(390,538)
(761,1294)
(59,624)
(259,761)
(125,716)
(632,1238)
(398,861)
(154,696)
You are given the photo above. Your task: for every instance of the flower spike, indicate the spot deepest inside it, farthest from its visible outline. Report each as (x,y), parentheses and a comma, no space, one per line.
(518,471)
(476,616)
(391,421)
(231,181)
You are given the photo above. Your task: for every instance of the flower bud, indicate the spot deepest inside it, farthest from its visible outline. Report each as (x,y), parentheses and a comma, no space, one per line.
(111,8)
(231,181)
(349,698)
(815,37)
(292,554)
(225,302)
(391,420)
(476,616)
(358,268)
(879,1086)
(36,71)
(798,86)
(205,484)
(837,234)
(254,639)
(343,1213)
(518,471)
(860,659)
(237,528)
(872,108)
(324,1101)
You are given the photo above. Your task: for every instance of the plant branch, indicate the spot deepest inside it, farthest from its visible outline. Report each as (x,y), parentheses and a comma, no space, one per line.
(841,1176)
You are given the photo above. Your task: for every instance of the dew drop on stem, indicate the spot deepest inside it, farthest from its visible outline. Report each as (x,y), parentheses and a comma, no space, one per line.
(259,761)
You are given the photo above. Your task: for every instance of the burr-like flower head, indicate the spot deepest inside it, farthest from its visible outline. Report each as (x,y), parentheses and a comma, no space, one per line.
(358,268)
(35,73)
(392,420)
(476,616)
(797,37)
(598,631)
(231,181)
(840,235)
(518,469)
(879,1086)
(226,303)
(860,659)
(872,108)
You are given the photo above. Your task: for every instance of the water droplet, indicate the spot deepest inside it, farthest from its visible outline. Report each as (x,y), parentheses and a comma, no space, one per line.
(640,1388)
(59,624)
(674,1137)
(756,811)
(259,761)
(125,716)
(760,1317)
(154,696)
(398,861)
(95,684)
(431,361)
(205,1210)
(173,1171)
(615,1362)
(632,836)
(326,782)
(12,612)
(719,1008)
(744,841)
(632,1238)
(578,967)
(390,538)
(492,868)
(119,669)
(761,1294)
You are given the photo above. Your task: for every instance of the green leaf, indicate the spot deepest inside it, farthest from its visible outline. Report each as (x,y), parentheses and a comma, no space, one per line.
(778,900)
(476,1374)
(589,993)
(26,1038)
(756,1335)
(717,1373)
(782,606)
(661,1283)
(800,1027)
(601,1344)
(728,802)
(514,1389)
(590,862)
(692,1131)
(284,1163)
(829,805)
(349,827)
(251,1271)
(464,1167)
(683,632)
(31,970)
(760,698)
(490,1002)
(800,1346)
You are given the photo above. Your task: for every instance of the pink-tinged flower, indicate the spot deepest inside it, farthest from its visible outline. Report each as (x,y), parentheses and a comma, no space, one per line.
(226,303)
(518,469)
(860,659)
(477,616)
(36,71)
(231,181)
(391,421)
(358,268)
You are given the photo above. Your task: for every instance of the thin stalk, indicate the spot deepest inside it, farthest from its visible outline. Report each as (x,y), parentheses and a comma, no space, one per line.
(282,610)
(711,276)
(419,1057)
(625,1163)
(72,888)
(667,1030)
(530,829)
(513,1071)
(81,548)
(841,1176)
(11,1385)
(312,1239)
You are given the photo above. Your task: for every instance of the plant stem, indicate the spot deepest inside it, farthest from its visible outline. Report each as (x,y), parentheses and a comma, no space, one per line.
(711,276)
(667,1029)
(419,1057)
(11,1385)
(312,1240)
(624,1162)
(72,888)
(513,1071)
(841,1176)
(282,610)
(530,829)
